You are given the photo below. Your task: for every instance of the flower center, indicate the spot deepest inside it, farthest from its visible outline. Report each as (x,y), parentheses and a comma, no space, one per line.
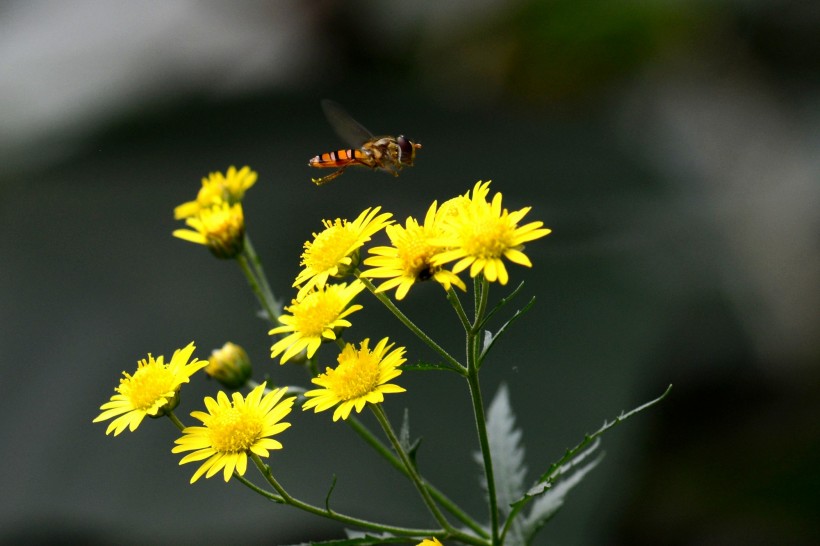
(315,312)
(488,239)
(356,375)
(149,384)
(233,430)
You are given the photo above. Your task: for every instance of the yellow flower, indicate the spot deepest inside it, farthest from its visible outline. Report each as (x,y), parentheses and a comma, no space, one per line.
(220,227)
(479,233)
(410,258)
(314,318)
(362,376)
(229,188)
(429,542)
(229,365)
(232,429)
(152,390)
(334,251)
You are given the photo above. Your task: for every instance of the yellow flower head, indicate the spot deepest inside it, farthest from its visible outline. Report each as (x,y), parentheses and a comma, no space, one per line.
(479,233)
(229,365)
(220,227)
(429,542)
(362,376)
(229,188)
(152,390)
(232,429)
(314,318)
(334,251)
(410,258)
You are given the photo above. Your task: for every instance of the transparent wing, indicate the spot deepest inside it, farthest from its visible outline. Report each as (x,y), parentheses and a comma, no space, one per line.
(349,130)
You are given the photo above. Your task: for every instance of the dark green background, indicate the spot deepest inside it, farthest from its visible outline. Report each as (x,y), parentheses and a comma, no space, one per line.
(672,148)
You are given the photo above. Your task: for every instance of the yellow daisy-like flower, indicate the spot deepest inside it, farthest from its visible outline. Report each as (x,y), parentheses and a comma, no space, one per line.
(334,251)
(229,188)
(362,376)
(479,233)
(152,390)
(410,258)
(220,227)
(314,318)
(233,428)
(430,542)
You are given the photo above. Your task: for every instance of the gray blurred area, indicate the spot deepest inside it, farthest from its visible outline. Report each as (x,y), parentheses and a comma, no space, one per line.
(671,146)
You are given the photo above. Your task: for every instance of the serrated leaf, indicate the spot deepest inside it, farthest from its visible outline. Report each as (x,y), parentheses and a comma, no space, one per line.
(545,506)
(507,453)
(581,450)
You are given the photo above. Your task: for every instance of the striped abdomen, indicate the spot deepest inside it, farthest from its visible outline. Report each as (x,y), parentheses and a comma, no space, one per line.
(339,158)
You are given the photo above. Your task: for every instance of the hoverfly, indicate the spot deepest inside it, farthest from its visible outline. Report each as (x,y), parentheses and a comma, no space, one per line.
(386,153)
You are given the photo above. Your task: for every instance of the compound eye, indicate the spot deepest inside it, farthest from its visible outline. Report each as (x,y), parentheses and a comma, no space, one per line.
(406,149)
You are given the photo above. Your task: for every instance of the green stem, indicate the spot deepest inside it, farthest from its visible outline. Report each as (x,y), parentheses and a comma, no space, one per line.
(454,300)
(482,290)
(253,487)
(350,520)
(381,417)
(481,287)
(274,305)
(483,440)
(410,325)
(396,462)
(175,420)
(273,316)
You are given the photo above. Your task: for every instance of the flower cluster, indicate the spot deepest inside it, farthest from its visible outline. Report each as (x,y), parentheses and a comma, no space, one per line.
(216,216)
(467,232)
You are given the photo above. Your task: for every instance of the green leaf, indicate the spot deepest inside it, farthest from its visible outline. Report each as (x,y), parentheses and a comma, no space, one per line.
(490,339)
(552,499)
(576,454)
(504,301)
(507,453)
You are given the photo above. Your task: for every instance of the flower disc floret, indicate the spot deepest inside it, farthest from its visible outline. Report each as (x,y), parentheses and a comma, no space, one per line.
(478,234)
(234,428)
(333,251)
(315,318)
(151,391)
(362,376)
(216,188)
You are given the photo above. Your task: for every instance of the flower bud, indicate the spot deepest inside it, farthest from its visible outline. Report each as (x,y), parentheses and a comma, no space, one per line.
(230,366)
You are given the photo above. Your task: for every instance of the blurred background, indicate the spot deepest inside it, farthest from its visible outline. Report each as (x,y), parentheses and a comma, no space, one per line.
(671,146)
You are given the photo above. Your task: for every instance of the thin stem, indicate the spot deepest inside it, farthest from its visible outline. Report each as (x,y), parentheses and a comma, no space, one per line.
(483,440)
(253,487)
(257,290)
(365,524)
(274,305)
(396,462)
(454,300)
(410,325)
(481,287)
(175,420)
(482,290)
(412,473)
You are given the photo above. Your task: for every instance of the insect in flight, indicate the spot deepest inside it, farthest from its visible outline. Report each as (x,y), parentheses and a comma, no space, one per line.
(389,154)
